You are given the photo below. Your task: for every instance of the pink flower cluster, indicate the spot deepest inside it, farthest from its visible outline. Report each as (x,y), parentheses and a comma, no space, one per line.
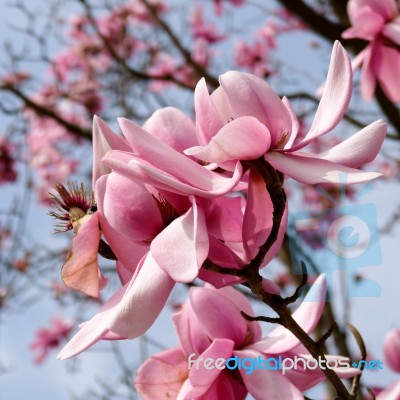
(255,56)
(378,22)
(50,338)
(176,195)
(210,326)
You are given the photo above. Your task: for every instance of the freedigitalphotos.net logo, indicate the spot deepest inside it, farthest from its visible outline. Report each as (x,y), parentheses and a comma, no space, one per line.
(344,237)
(249,364)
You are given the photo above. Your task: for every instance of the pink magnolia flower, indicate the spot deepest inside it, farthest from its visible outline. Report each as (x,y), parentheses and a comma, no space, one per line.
(144,219)
(244,119)
(203,30)
(378,22)
(210,326)
(391,348)
(50,338)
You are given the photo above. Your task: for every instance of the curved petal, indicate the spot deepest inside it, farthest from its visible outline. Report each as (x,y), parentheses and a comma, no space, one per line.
(130,208)
(387,66)
(267,384)
(181,248)
(104,139)
(202,378)
(391,349)
(244,138)
(368,74)
(392,31)
(226,218)
(172,127)
(94,330)
(243,304)
(360,148)
(335,97)
(200,181)
(366,24)
(295,123)
(148,290)
(218,316)
(310,169)
(208,120)
(258,215)
(249,95)
(127,252)
(163,375)
(81,270)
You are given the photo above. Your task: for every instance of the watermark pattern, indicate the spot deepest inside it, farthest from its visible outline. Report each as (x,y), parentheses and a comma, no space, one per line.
(279,364)
(345,237)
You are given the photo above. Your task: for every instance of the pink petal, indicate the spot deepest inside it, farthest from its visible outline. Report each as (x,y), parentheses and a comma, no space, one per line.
(307,316)
(244,138)
(148,290)
(243,304)
(197,180)
(387,66)
(390,393)
(218,316)
(271,385)
(172,127)
(368,78)
(208,120)
(392,31)
(366,24)
(202,378)
(257,220)
(128,253)
(251,96)
(104,139)
(306,168)
(81,270)
(130,208)
(163,375)
(181,248)
(360,148)
(225,220)
(223,256)
(94,330)
(391,348)
(335,97)
(295,123)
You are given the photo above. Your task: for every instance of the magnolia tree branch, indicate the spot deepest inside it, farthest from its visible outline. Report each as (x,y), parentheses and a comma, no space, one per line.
(47,112)
(250,273)
(202,72)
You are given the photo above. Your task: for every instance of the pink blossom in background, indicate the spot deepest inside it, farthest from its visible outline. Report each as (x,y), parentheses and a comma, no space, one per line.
(50,338)
(378,22)
(391,348)
(202,29)
(218,7)
(244,119)
(210,326)
(8,172)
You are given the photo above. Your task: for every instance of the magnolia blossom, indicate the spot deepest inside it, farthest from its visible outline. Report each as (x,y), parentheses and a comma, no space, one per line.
(391,349)
(159,234)
(49,338)
(210,325)
(378,22)
(244,119)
